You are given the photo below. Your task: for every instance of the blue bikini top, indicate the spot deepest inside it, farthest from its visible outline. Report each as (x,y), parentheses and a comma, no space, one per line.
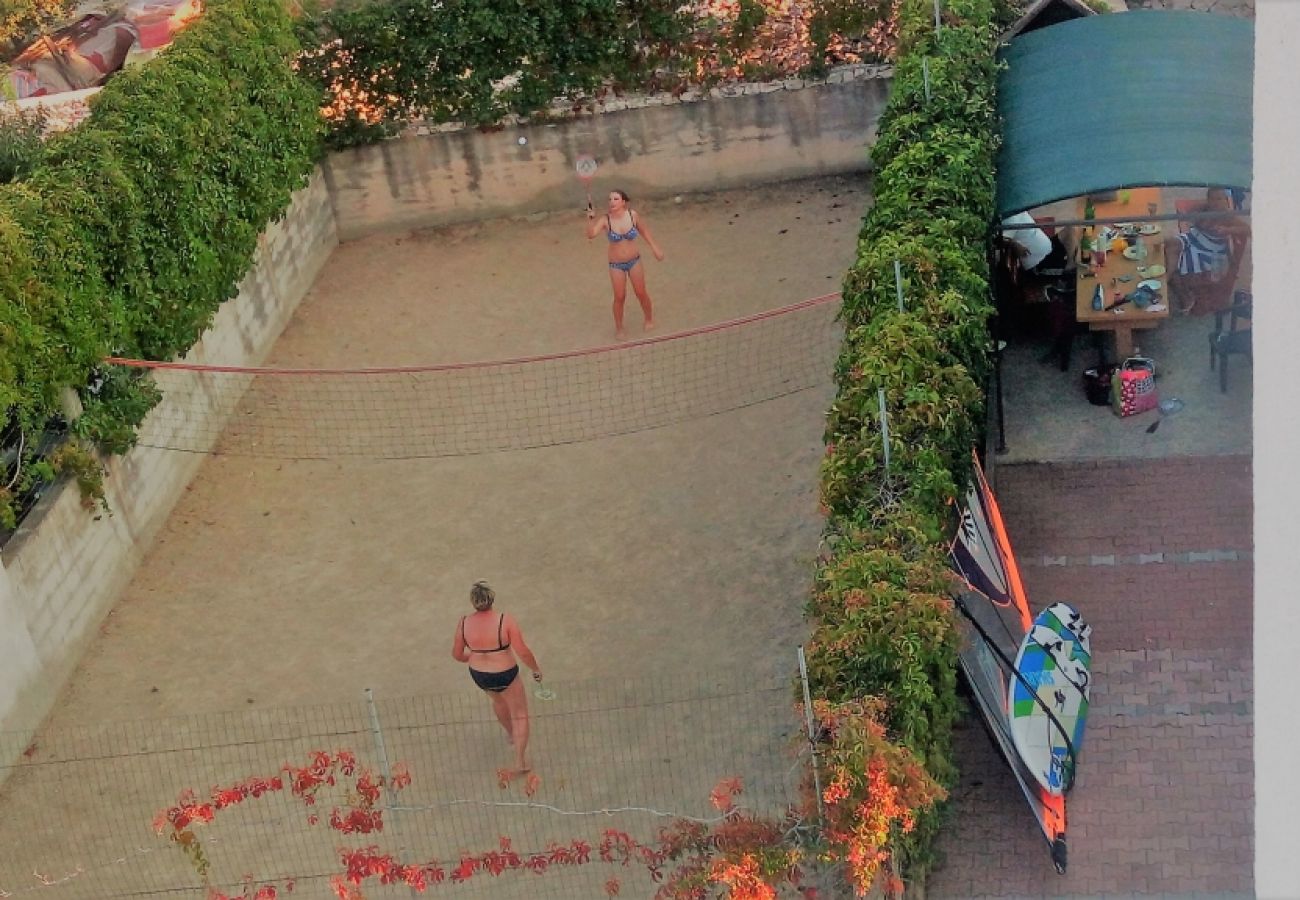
(615,237)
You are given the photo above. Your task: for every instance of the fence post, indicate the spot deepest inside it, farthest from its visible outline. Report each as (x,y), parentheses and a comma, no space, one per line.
(898,283)
(812,735)
(938,25)
(925,71)
(381,751)
(884,426)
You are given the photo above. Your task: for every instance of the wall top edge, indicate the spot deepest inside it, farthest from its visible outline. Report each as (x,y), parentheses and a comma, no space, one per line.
(563,111)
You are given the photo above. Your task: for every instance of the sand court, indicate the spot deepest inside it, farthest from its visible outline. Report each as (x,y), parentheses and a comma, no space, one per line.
(659,575)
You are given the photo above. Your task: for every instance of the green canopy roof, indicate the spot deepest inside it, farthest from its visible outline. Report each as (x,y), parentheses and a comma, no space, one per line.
(1120,100)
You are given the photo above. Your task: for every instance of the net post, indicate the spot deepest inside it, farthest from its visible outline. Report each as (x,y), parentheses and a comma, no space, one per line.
(925,71)
(884,425)
(898,283)
(381,751)
(812,734)
(938,25)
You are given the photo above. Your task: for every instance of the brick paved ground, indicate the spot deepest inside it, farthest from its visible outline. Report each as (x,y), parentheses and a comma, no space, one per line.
(1156,555)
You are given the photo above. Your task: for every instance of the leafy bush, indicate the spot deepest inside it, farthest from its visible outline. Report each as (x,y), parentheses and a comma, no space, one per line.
(21,147)
(113,405)
(21,20)
(476,61)
(131,230)
(883,623)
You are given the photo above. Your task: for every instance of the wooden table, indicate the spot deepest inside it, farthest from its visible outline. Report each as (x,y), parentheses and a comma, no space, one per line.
(1127,318)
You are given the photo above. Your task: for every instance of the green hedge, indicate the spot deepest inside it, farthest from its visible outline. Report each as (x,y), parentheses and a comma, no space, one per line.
(476,61)
(883,623)
(21,20)
(132,229)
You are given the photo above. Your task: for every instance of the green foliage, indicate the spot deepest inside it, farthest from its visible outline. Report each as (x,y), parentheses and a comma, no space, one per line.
(79,462)
(844,17)
(132,229)
(22,20)
(113,406)
(883,623)
(477,60)
(21,147)
(380,65)
(885,629)
(749,19)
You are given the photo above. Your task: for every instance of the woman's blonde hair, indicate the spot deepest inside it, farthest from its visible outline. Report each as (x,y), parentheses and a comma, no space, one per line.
(482,596)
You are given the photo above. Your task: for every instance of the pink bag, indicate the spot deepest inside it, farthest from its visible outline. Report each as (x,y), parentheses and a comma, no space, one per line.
(1133,387)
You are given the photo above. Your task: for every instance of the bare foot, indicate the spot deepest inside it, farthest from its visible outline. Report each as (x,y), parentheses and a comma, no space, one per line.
(620,335)
(650,325)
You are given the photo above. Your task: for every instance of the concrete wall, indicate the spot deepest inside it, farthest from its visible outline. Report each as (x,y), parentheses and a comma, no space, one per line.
(63,570)
(649,146)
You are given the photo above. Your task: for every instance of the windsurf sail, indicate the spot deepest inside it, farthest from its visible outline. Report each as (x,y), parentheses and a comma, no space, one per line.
(1029,677)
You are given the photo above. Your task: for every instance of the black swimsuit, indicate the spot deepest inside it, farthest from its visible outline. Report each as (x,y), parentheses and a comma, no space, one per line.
(496,682)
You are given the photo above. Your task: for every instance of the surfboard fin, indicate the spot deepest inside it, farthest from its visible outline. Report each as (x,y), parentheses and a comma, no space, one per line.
(1059,854)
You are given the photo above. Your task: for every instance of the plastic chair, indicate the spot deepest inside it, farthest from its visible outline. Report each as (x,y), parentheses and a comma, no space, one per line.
(1207,292)
(1226,341)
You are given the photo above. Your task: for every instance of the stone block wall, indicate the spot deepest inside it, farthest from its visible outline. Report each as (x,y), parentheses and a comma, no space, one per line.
(650,146)
(64,568)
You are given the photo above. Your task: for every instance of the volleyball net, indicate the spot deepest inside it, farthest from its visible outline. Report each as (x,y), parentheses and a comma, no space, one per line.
(482,407)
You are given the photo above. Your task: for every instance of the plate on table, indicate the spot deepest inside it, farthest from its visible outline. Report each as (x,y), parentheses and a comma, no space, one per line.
(1151,284)
(1156,307)
(1151,271)
(1135,253)
(1150,228)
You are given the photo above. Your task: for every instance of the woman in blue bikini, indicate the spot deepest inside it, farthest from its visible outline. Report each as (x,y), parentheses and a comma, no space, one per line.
(488,642)
(622,225)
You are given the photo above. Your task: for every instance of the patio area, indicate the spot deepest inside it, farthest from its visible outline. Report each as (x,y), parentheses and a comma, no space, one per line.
(1048,416)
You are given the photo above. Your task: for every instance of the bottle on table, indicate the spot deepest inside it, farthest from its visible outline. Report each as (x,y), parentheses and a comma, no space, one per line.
(1087,242)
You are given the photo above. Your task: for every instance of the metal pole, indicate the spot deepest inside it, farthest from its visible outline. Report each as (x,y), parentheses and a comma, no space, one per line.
(884,426)
(812,736)
(898,283)
(925,70)
(997,373)
(377,734)
(938,26)
(1207,215)
(381,751)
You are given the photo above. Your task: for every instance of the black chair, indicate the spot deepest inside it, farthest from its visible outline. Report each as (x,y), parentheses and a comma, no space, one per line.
(1065,327)
(1224,341)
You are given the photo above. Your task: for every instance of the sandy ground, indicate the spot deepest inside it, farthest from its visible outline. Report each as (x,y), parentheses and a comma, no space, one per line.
(660,576)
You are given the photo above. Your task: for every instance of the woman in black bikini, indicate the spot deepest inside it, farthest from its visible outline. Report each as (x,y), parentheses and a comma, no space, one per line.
(488,641)
(622,225)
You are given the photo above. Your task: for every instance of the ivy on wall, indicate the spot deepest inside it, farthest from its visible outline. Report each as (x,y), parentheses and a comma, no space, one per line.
(131,230)
(883,625)
(476,61)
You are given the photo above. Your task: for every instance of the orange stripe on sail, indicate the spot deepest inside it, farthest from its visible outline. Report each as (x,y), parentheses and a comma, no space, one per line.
(1014,585)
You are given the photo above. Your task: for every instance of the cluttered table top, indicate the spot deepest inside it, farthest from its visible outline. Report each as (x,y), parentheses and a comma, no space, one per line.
(1132,278)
